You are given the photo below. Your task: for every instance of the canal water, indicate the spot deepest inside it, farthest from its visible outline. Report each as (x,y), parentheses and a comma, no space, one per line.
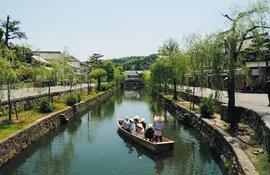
(91,145)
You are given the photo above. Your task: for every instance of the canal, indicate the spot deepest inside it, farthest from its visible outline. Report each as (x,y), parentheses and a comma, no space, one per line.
(91,145)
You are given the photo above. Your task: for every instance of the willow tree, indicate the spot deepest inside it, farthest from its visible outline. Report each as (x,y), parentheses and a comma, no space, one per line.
(168,50)
(11,76)
(243,23)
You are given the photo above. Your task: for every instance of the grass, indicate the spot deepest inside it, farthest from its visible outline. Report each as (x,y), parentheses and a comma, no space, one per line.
(26,118)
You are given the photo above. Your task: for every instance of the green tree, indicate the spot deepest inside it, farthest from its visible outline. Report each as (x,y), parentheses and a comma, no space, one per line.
(12,30)
(1,35)
(11,75)
(117,76)
(98,74)
(250,21)
(109,68)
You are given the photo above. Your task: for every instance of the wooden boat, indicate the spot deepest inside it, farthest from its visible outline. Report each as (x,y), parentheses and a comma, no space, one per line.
(158,147)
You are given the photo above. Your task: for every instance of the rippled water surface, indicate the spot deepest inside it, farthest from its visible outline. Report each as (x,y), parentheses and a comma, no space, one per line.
(91,145)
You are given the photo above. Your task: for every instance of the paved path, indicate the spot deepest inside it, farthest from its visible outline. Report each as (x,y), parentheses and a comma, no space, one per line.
(255,102)
(26,92)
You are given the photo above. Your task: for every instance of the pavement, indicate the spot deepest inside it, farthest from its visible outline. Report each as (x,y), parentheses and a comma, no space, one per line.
(27,92)
(256,102)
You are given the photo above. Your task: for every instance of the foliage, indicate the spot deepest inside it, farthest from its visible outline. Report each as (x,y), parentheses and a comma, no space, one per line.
(243,23)
(109,68)
(207,107)
(146,77)
(45,105)
(71,99)
(1,34)
(117,76)
(140,62)
(104,86)
(98,74)
(29,105)
(13,30)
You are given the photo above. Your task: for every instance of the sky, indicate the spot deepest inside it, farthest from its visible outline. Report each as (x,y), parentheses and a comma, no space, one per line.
(115,28)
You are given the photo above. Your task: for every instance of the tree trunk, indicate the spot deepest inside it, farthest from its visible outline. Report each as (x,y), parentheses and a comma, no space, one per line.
(88,89)
(9,103)
(7,31)
(174,89)
(193,93)
(15,108)
(231,103)
(99,83)
(70,88)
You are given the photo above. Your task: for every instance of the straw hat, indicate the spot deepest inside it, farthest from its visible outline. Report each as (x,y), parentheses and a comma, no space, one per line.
(136,117)
(160,118)
(131,120)
(142,119)
(139,156)
(149,125)
(140,125)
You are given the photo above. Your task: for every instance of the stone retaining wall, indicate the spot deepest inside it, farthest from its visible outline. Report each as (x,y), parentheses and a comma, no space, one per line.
(234,159)
(11,147)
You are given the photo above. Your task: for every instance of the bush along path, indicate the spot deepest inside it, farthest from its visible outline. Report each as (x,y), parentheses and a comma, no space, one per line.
(245,157)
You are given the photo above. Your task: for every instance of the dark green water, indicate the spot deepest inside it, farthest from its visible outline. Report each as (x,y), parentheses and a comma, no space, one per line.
(92,145)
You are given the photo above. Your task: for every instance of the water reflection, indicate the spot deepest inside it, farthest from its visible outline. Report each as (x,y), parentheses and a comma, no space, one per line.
(141,152)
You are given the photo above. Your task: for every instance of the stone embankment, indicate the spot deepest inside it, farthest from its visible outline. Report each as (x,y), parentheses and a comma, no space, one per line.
(234,159)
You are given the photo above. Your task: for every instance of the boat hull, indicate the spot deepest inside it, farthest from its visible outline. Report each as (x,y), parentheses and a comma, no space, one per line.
(167,144)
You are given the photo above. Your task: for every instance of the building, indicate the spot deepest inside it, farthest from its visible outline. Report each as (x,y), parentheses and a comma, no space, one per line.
(45,58)
(132,81)
(258,67)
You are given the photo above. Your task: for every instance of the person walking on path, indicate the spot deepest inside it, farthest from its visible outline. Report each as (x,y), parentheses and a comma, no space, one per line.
(266,88)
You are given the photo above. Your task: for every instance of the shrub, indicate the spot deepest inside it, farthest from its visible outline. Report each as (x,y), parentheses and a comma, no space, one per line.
(71,99)
(105,87)
(29,105)
(207,107)
(45,105)
(79,97)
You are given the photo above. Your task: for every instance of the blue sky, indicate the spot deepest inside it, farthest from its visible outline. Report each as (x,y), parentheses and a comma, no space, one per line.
(115,28)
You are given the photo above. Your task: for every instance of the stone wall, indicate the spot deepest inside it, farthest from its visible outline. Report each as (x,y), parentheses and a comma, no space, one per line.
(233,158)
(11,147)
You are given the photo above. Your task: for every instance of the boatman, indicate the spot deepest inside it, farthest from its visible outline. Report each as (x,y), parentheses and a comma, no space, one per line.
(159,125)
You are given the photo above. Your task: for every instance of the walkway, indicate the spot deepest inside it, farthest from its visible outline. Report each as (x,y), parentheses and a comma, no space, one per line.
(255,102)
(27,92)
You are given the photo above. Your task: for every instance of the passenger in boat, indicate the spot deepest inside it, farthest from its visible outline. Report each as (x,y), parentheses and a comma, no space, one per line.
(132,126)
(149,133)
(126,124)
(136,121)
(142,121)
(140,130)
(159,125)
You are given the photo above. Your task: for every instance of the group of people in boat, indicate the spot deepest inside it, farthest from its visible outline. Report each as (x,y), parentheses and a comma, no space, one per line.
(138,127)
